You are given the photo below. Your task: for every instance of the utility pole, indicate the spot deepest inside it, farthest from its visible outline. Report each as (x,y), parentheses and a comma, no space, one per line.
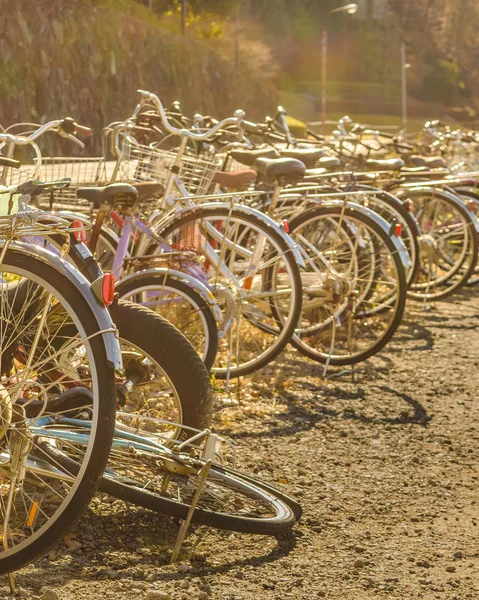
(404,67)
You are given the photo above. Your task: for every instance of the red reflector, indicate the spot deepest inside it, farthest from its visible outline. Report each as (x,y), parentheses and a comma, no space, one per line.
(108,288)
(398,229)
(472,206)
(286,226)
(80,235)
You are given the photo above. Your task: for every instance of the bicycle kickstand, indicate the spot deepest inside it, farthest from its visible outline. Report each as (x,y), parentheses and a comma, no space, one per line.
(203,475)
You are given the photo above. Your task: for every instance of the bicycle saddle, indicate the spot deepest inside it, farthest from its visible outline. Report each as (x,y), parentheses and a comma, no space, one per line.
(390,164)
(247,157)
(234,179)
(433,162)
(329,162)
(284,170)
(309,156)
(149,189)
(98,195)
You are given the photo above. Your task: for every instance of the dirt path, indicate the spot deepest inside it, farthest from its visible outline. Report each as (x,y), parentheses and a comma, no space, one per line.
(385,467)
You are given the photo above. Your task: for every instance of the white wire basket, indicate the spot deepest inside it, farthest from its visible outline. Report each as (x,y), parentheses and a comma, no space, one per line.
(82,172)
(143,163)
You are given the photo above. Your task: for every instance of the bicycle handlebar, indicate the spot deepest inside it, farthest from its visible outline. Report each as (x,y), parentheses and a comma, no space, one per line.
(153,98)
(64,127)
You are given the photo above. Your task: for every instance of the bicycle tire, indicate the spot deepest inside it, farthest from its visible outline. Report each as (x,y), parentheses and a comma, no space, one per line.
(173,353)
(51,277)
(452,282)
(189,216)
(161,281)
(129,491)
(350,213)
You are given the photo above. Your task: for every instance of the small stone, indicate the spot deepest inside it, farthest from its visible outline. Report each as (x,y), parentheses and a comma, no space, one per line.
(202,596)
(49,595)
(138,585)
(458,554)
(151,577)
(156,595)
(423,563)
(358,564)
(184,585)
(183,568)
(451,569)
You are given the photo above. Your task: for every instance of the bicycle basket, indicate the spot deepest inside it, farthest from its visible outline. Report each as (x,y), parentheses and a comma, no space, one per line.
(143,163)
(82,172)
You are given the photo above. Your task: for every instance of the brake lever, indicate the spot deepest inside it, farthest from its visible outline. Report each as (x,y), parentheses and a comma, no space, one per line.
(71,137)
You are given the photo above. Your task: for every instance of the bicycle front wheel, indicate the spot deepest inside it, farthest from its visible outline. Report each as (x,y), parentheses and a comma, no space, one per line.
(251,269)
(45,374)
(354,286)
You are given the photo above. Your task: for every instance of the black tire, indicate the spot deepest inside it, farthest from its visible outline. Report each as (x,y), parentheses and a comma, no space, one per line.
(166,345)
(285,510)
(339,212)
(162,281)
(101,443)
(286,329)
(394,211)
(169,348)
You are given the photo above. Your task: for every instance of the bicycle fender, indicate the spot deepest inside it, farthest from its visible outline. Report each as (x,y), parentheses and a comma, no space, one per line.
(190,280)
(266,219)
(451,196)
(381,222)
(105,324)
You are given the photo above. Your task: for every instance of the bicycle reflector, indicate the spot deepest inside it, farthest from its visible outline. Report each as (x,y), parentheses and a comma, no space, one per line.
(79,233)
(395,229)
(108,288)
(104,289)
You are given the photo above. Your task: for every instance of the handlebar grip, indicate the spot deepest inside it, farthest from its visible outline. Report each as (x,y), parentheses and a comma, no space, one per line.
(69,126)
(82,130)
(9,162)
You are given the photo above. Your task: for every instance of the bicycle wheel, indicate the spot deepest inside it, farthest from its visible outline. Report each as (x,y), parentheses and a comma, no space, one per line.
(180,304)
(354,286)
(38,382)
(164,481)
(156,357)
(448,243)
(253,273)
(392,210)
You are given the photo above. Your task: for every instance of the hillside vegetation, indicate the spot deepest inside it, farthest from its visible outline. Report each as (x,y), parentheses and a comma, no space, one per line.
(87,59)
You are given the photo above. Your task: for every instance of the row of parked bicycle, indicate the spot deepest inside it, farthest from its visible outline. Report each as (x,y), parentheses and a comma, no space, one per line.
(196,246)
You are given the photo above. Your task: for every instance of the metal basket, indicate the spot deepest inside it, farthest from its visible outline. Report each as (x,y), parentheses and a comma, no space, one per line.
(142,163)
(82,172)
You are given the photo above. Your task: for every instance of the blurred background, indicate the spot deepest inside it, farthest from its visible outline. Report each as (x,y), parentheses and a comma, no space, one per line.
(87,58)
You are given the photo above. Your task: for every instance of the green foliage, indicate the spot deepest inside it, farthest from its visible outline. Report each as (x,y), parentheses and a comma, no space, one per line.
(441,83)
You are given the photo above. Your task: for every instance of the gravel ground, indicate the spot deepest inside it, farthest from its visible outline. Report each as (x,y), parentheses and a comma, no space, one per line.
(385,466)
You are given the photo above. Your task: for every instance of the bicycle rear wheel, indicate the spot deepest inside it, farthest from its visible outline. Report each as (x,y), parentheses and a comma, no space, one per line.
(178,303)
